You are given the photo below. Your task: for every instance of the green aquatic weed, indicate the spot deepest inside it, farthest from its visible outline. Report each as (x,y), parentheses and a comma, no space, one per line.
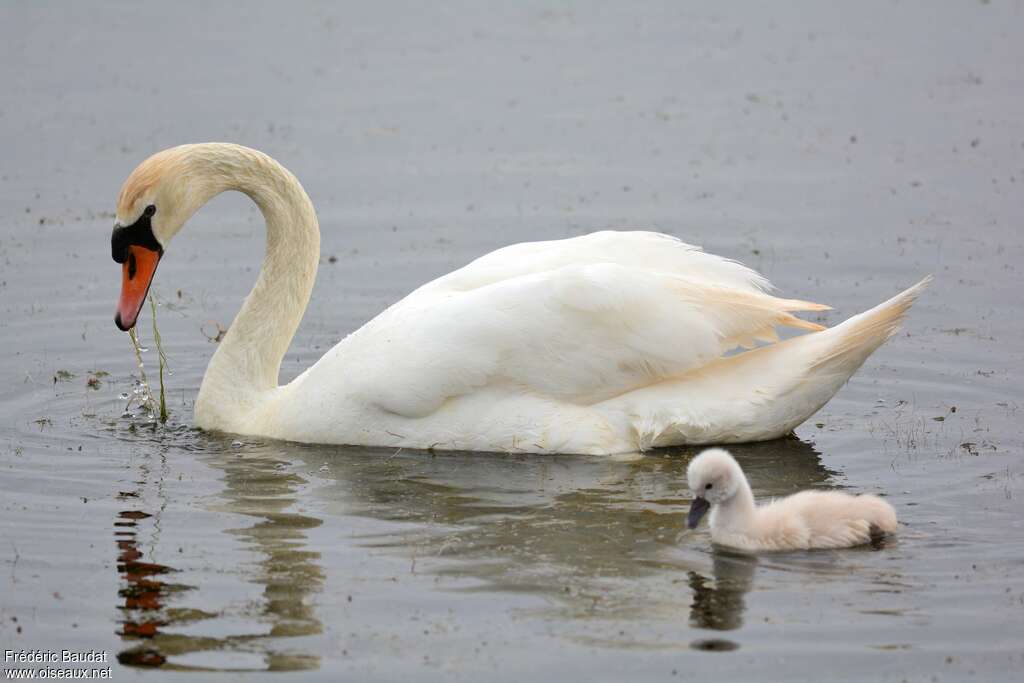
(163,361)
(146,395)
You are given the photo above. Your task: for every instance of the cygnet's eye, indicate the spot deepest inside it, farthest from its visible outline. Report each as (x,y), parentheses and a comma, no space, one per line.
(150,210)
(708,486)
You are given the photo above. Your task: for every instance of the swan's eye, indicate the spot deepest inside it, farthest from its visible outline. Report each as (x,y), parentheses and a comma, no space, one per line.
(150,210)
(707,487)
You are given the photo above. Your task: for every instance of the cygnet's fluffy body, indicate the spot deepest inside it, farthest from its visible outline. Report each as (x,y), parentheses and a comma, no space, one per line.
(802,521)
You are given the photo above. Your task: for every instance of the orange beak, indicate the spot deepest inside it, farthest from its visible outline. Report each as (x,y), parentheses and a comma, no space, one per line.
(137,273)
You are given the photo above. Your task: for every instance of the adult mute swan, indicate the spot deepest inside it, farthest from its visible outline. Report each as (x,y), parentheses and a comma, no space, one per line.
(608,343)
(802,521)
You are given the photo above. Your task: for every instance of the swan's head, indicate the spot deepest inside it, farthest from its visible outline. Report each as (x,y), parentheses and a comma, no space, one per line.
(153,205)
(714,477)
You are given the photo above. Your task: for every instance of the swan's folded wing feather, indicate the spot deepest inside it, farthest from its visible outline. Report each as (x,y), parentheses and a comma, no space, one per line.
(635,249)
(577,333)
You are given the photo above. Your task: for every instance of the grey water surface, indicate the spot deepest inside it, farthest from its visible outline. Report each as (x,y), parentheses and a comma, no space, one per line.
(845,152)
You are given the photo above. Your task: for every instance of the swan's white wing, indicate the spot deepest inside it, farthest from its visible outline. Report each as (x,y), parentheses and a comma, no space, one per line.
(648,251)
(581,332)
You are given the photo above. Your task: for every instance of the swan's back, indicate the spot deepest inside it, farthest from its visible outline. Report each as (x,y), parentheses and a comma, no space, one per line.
(825,519)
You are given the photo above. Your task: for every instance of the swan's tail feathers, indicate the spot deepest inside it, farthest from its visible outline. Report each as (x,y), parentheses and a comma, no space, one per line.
(852,341)
(764,393)
(790,320)
(799,305)
(745,318)
(784,316)
(801,324)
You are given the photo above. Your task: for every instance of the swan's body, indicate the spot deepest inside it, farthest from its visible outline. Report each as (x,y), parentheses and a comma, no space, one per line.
(802,521)
(610,342)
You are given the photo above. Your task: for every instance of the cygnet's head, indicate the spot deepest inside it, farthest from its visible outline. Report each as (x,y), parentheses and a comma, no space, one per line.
(714,477)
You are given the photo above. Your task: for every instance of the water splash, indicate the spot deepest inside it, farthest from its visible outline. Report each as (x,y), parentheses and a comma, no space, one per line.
(141,394)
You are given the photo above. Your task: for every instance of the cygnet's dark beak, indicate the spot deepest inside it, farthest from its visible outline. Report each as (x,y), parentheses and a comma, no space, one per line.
(698,507)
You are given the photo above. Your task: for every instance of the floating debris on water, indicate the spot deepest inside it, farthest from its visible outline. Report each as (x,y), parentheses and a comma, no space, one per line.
(213,338)
(62,376)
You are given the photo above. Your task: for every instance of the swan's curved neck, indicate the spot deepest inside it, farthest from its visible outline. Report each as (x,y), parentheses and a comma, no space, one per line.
(739,511)
(248,359)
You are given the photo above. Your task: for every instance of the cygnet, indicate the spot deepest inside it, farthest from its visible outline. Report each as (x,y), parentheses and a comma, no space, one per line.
(802,521)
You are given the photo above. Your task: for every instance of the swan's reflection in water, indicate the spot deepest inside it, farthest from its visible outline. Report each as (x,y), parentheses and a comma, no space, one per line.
(160,625)
(600,541)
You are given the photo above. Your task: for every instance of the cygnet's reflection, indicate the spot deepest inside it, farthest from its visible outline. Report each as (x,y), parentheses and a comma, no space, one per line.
(720,600)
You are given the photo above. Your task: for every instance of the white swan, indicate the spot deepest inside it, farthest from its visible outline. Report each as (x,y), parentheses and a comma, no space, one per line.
(802,521)
(612,342)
